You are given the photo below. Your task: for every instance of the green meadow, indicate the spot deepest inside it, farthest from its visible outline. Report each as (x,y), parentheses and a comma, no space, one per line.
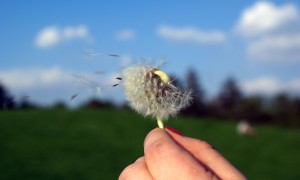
(100,143)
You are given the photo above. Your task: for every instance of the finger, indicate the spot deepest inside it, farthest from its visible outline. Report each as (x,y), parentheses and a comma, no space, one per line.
(138,170)
(206,154)
(166,160)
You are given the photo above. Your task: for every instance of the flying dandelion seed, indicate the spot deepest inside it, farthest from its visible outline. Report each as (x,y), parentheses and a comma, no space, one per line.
(73,97)
(86,81)
(21,98)
(118,78)
(113,55)
(90,54)
(94,86)
(150,92)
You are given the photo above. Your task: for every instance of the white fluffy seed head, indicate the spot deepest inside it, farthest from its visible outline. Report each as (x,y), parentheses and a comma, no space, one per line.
(150,92)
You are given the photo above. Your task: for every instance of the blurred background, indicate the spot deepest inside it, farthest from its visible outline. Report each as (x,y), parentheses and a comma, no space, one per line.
(63,111)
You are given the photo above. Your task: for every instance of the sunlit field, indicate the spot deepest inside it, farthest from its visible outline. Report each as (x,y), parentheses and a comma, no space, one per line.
(98,144)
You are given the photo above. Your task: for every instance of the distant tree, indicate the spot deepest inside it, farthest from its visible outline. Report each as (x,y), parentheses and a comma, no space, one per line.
(296,110)
(284,110)
(198,106)
(6,101)
(253,109)
(59,105)
(96,103)
(229,99)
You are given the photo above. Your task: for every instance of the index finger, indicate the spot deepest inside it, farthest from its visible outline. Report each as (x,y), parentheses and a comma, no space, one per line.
(206,154)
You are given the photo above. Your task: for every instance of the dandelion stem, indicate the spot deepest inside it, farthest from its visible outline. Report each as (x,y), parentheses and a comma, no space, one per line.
(160,123)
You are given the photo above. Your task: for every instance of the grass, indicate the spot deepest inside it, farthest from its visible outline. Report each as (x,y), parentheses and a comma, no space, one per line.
(99,144)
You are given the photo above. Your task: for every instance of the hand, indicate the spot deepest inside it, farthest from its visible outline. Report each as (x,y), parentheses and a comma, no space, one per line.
(172,156)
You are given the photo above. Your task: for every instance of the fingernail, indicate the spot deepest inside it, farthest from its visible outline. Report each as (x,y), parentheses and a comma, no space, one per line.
(174,131)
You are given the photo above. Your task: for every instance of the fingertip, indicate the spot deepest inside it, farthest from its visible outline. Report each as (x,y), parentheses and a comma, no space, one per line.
(152,136)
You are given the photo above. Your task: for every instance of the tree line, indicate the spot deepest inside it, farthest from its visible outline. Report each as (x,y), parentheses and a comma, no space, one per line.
(229,104)
(232,104)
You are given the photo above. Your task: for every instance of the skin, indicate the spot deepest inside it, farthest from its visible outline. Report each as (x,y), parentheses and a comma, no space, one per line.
(168,155)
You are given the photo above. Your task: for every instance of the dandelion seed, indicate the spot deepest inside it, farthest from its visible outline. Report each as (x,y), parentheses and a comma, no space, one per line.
(73,97)
(90,54)
(94,86)
(25,97)
(150,92)
(114,55)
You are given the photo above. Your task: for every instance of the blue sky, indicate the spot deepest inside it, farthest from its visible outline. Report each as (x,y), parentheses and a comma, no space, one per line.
(44,44)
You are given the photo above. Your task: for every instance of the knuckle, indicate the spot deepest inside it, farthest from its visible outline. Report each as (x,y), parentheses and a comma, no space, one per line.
(161,148)
(204,145)
(140,160)
(157,147)
(127,172)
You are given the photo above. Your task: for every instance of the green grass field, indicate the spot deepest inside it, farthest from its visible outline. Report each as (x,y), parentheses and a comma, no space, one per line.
(98,144)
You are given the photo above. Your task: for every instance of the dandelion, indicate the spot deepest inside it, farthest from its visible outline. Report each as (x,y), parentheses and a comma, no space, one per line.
(150,92)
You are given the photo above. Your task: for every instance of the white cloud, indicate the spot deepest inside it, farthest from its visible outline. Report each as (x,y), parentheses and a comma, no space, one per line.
(75,32)
(190,34)
(294,84)
(43,85)
(265,17)
(48,85)
(271,85)
(272,32)
(53,35)
(44,78)
(125,34)
(276,48)
(34,77)
(263,84)
(47,37)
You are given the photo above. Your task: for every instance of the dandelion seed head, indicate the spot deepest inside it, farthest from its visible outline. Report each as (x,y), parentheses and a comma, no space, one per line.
(150,92)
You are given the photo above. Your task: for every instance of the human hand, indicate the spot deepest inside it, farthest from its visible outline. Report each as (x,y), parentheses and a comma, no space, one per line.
(172,156)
